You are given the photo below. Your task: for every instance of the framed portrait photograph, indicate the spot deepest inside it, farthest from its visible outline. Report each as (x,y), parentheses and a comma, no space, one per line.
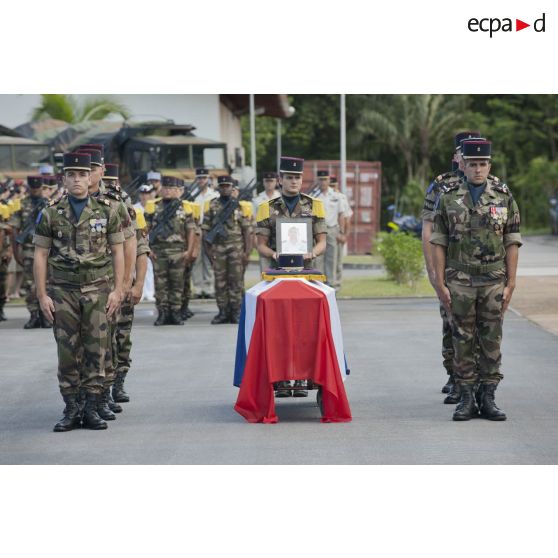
(294,236)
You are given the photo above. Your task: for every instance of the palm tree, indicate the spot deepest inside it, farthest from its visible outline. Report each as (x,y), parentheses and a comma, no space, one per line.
(415,126)
(67,108)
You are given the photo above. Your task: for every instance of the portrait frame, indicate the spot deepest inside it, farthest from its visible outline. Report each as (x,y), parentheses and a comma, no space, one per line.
(304,226)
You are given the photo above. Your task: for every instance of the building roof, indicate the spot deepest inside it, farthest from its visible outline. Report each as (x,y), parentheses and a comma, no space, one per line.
(271,105)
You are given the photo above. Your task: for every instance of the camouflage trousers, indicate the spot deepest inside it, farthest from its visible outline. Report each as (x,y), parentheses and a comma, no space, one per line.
(187,292)
(229,276)
(28,282)
(447,341)
(111,355)
(476,322)
(3,281)
(169,271)
(124,337)
(81,334)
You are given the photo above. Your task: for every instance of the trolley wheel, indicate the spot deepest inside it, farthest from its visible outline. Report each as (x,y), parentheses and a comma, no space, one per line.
(319,401)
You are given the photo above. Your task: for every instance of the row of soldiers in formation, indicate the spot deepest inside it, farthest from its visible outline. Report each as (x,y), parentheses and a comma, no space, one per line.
(88,252)
(212,271)
(471,235)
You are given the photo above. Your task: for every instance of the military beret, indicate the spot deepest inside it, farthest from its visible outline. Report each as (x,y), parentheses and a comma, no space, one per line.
(111,171)
(221,180)
(270,175)
(170,182)
(96,157)
(98,146)
(323,174)
(292,165)
(77,161)
(464,135)
(201,171)
(34,181)
(477,149)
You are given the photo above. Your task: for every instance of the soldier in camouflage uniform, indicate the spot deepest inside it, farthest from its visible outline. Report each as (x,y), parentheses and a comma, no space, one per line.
(476,237)
(122,343)
(5,250)
(230,251)
(23,227)
(294,205)
(432,194)
(173,243)
(80,239)
(126,213)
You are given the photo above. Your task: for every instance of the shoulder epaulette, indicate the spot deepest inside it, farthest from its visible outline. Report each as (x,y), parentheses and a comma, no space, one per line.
(187,207)
(263,211)
(54,202)
(104,201)
(501,187)
(206,206)
(140,219)
(318,208)
(150,207)
(449,186)
(196,210)
(246,207)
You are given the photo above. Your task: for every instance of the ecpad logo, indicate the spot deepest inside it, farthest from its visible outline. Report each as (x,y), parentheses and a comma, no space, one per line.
(493,25)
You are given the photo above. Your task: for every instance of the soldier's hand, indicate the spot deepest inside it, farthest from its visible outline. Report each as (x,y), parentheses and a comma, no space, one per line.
(506,297)
(341,239)
(47,307)
(153,256)
(136,294)
(113,303)
(187,257)
(445,297)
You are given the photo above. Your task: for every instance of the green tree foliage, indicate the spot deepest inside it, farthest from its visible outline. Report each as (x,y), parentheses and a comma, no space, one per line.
(66,108)
(403,259)
(412,136)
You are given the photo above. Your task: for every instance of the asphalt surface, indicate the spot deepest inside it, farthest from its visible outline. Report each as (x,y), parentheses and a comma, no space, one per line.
(182,398)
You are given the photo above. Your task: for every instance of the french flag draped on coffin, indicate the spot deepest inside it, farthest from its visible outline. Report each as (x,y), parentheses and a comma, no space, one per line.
(289,330)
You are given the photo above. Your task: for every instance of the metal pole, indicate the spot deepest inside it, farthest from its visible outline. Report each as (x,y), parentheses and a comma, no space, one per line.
(343,147)
(278,143)
(253,134)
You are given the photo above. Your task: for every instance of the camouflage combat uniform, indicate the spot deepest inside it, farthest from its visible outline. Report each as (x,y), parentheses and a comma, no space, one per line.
(476,238)
(126,316)
(228,253)
(4,255)
(126,217)
(23,223)
(80,276)
(428,213)
(270,211)
(168,241)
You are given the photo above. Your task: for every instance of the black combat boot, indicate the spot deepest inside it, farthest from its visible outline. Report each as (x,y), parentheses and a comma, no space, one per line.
(91,418)
(45,324)
(81,400)
(300,389)
(72,415)
(162,318)
(467,407)
(118,393)
(448,385)
(185,312)
(488,407)
(454,395)
(102,408)
(34,320)
(234,317)
(112,404)
(2,315)
(282,389)
(220,318)
(175,318)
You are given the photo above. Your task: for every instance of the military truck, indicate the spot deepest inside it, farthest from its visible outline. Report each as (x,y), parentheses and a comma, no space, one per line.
(20,157)
(164,146)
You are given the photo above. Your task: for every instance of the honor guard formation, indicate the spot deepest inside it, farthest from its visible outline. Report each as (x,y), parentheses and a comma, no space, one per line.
(88,255)
(471,240)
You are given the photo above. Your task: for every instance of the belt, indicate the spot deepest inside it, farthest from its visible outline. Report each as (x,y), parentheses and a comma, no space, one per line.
(81,277)
(333,227)
(476,269)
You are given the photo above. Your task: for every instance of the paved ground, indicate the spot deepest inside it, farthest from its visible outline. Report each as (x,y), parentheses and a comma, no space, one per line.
(182,394)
